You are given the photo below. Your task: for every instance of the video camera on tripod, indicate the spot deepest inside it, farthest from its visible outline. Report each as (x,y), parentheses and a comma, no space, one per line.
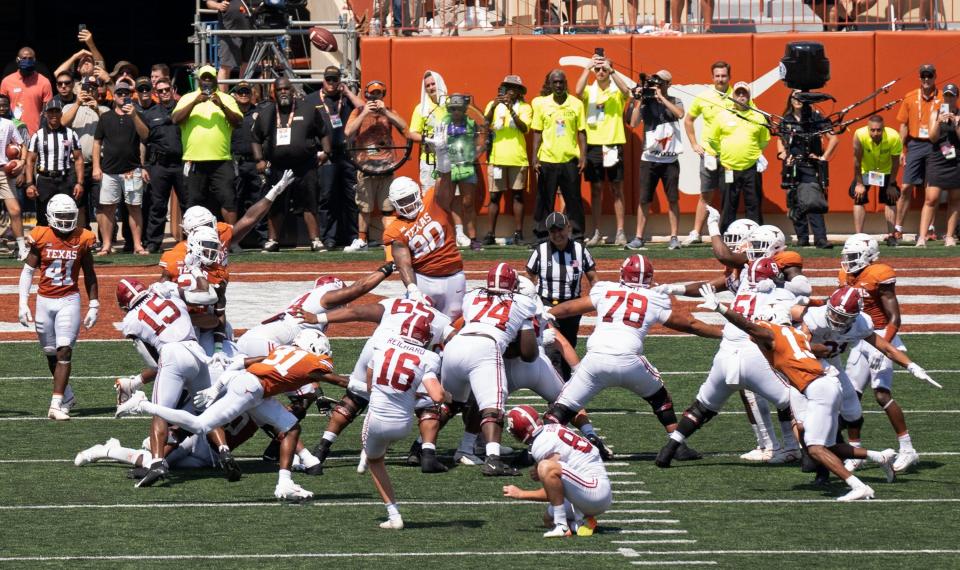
(274,14)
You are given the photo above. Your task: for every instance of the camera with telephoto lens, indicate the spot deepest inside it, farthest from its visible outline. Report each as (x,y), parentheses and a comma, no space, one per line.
(647,86)
(275,14)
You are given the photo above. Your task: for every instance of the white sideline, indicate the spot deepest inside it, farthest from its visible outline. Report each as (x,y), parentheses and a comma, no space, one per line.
(653,531)
(664,541)
(673,562)
(637,521)
(232,556)
(636,511)
(782,552)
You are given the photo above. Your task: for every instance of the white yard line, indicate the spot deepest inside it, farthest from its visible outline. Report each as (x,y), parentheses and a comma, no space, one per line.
(627,483)
(638,521)
(300,555)
(619,473)
(653,531)
(837,552)
(777,501)
(673,562)
(664,541)
(631,492)
(242,505)
(636,511)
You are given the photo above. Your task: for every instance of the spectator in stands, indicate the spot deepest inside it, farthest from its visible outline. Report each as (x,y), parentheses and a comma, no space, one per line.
(6,113)
(426,116)
(248,185)
(124,70)
(8,184)
(83,116)
(83,62)
(164,161)
(943,166)
(207,118)
(288,136)
(28,90)
(118,167)
(812,171)
(234,50)
(604,100)
(708,104)
(678,14)
(559,150)
(54,163)
(914,118)
(159,71)
(509,117)
(660,114)
(739,136)
(65,89)
(371,125)
(337,201)
(876,161)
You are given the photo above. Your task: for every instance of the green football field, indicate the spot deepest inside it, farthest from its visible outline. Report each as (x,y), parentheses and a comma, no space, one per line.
(718,512)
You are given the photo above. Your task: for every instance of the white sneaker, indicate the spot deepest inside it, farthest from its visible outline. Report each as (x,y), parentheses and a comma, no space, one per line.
(466,458)
(783,455)
(463,240)
(887,464)
(621,239)
(559,531)
(692,238)
(290,491)
(392,524)
(132,406)
(852,465)
(864,493)
(357,245)
(758,454)
(125,388)
(595,240)
(58,413)
(905,459)
(362,464)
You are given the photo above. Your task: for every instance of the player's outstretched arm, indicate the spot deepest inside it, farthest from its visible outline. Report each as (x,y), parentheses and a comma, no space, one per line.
(358,288)
(720,250)
(331,378)
(691,289)
(371,313)
(259,209)
(571,308)
(404,261)
(688,324)
(514,492)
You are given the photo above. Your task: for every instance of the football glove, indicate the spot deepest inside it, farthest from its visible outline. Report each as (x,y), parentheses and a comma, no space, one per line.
(205,397)
(26,317)
(415,294)
(280,186)
(671,289)
(920,373)
(92,313)
(710,300)
(713,221)
(549,336)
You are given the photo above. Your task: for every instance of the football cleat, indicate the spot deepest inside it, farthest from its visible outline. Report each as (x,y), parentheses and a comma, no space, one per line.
(137,473)
(362,464)
(685,453)
(231,469)
(807,463)
(466,458)
(784,455)
(905,459)
(758,454)
(392,524)
(322,450)
(480,449)
(314,469)
(159,471)
(58,413)
(887,464)
(559,531)
(131,406)
(666,454)
(852,465)
(597,441)
(290,491)
(495,467)
(272,453)
(864,493)
(429,462)
(413,456)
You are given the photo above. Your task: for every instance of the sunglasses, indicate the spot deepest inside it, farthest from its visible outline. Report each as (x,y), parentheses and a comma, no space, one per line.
(144,89)
(163,89)
(243,91)
(926,76)
(64,83)
(332,79)
(121,92)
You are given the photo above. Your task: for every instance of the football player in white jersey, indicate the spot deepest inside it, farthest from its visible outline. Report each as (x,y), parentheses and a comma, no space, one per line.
(158,322)
(494,317)
(400,364)
(626,311)
(838,324)
(739,364)
(395,316)
(328,292)
(569,468)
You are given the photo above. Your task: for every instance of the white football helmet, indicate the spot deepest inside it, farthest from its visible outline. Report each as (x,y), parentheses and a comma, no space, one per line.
(776,313)
(204,244)
(406,197)
(765,241)
(62,213)
(313,341)
(859,251)
(197,216)
(738,232)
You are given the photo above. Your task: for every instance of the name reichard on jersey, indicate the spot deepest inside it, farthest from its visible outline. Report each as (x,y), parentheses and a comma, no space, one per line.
(821,332)
(288,368)
(500,316)
(573,448)
(624,317)
(399,314)
(398,369)
(60,259)
(161,318)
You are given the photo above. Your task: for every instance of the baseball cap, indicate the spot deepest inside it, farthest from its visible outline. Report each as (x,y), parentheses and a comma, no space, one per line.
(332,71)
(123,84)
(53,105)
(242,85)
(515,81)
(664,74)
(144,82)
(556,220)
(742,85)
(457,101)
(205,70)
(375,85)
(124,64)
(928,68)
(952,89)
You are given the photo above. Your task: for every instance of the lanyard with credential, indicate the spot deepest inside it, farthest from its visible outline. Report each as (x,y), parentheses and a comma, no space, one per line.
(933,103)
(293,110)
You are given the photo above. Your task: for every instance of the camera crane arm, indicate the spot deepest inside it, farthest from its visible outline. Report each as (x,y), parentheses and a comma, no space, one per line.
(838,116)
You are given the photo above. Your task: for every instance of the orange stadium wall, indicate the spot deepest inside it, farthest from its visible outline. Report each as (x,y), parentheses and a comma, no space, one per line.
(859,62)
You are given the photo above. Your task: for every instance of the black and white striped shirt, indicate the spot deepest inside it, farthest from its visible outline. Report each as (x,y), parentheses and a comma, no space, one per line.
(560,270)
(54,149)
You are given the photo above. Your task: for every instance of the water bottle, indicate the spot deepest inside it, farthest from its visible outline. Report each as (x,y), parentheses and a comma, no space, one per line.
(375,27)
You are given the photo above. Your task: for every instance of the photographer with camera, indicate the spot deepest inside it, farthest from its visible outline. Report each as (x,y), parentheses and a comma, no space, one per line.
(604,102)
(738,137)
(509,117)
(876,161)
(943,166)
(660,115)
(804,170)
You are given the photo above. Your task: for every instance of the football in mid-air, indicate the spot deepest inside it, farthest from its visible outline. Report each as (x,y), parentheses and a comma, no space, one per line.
(13,151)
(323,39)
(9,167)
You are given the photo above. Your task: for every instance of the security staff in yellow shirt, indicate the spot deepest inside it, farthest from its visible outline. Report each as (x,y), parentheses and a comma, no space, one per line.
(876,152)
(509,117)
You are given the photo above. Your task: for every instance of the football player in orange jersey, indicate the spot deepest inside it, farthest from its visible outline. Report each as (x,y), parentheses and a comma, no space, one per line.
(422,243)
(859,267)
(59,251)
(250,385)
(815,392)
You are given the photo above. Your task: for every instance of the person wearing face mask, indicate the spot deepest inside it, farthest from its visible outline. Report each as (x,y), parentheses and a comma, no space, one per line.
(28,90)
(287,136)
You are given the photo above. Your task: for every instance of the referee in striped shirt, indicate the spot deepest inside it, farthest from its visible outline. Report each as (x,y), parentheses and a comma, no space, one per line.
(557,266)
(54,161)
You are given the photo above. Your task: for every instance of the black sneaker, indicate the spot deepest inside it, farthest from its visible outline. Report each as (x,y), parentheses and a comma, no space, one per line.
(159,471)
(666,454)
(231,469)
(824,244)
(823,476)
(518,238)
(489,239)
(429,462)
(272,453)
(270,246)
(495,467)
(414,455)
(605,453)
(685,453)
(137,473)
(315,470)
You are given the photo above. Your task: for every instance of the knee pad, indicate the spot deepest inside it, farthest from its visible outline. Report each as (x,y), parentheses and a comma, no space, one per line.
(698,414)
(491,416)
(433,413)
(785,415)
(662,406)
(558,414)
(350,405)
(887,405)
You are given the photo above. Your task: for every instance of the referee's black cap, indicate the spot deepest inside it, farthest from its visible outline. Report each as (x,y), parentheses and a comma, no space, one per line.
(556,220)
